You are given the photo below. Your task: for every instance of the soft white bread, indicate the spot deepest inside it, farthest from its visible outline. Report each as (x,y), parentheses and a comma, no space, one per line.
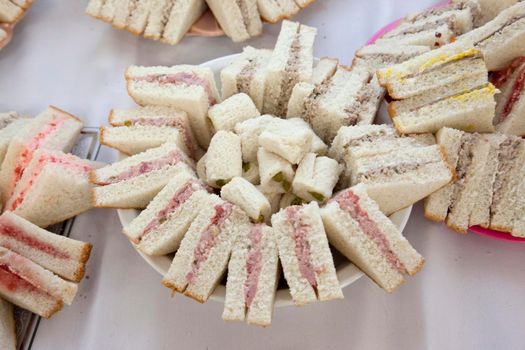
(273,198)
(323,69)
(275,10)
(200,169)
(249,132)
(317,146)
(289,199)
(190,88)
(239,19)
(250,172)
(94,7)
(311,276)
(252,277)
(316,177)
(296,103)
(378,56)
(486,9)
(360,231)
(52,129)
(291,63)
(235,109)
(138,17)
(434,37)
(7,326)
(247,197)
(202,258)
(64,256)
(224,158)
(8,132)
(276,173)
(291,144)
(134,181)
(247,74)
(10,12)
(159,229)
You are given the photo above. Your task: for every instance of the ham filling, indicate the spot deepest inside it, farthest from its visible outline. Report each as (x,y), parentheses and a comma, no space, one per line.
(181,78)
(209,239)
(302,246)
(349,203)
(16,274)
(253,264)
(502,77)
(66,162)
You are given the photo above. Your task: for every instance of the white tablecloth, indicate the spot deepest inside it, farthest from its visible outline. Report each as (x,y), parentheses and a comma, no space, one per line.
(470,295)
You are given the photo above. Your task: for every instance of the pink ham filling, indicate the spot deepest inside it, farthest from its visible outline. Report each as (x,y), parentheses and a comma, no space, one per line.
(302,247)
(253,264)
(182,78)
(208,239)
(15,274)
(66,162)
(12,282)
(349,203)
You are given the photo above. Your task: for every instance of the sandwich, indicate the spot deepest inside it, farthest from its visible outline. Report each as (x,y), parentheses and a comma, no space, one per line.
(7,326)
(323,69)
(291,63)
(247,74)
(316,177)
(52,129)
(510,104)
(247,197)
(276,173)
(30,286)
(202,258)
(12,11)
(252,277)
(239,19)
(273,198)
(10,124)
(250,172)
(350,97)
(378,56)
(136,130)
(361,232)
(224,158)
(134,181)
(305,256)
(234,109)
(291,144)
(274,11)
(399,179)
(159,229)
(63,256)
(190,88)
(484,10)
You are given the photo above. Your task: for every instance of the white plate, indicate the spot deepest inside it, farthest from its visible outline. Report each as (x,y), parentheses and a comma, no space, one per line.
(347,273)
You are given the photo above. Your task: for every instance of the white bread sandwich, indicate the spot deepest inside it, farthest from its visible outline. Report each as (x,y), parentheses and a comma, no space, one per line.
(360,231)
(223,159)
(252,277)
(324,69)
(136,130)
(7,326)
(316,177)
(291,63)
(378,56)
(276,173)
(305,255)
(54,187)
(30,286)
(419,35)
(10,124)
(484,10)
(510,104)
(274,11)
(291,144)
(52,129)
(273,198)
(250,172)
(190,88)
(11,11)
(247,74)
(61,255)
(399,179)
(234,109)
(159,229)
(247,197)
(289,199)
(202,258)
(134,181)
(239,19)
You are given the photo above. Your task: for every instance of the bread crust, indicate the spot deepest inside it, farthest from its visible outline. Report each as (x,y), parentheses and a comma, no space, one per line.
(457,229)
(84,257)
(58,306)
(103,142)
(196,297)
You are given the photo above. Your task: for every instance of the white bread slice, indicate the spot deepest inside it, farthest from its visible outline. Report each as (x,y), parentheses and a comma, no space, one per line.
(247,197)
(64,256)
(10,12)
(182,16)
(247,74)
(134,181)
(323,69)
(289,199)
(200,169)
(378,56)
(291,63)
(190,88)
(42,280)
(458,18)
(273,198)
(510,106)
(274,11)
(432,38)
(316,177)
(7,326)
(249,132)
(202,258)
(317,146)
(291,144)
(54,187)
(399,179)
(250,172)
(235,109)
(94,8)
(122,11)
(7,133)
(138,17)
(239,19)
(296,103)
(276,172)
(252,277)
(356,227)
(159,229)
(224,158)
(488,9)
(107,11)
(310,276)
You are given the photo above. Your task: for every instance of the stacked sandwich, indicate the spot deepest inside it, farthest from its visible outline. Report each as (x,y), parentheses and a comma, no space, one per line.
(169,20)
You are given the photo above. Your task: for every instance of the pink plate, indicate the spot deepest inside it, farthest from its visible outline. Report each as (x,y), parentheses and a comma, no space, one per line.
(502,236)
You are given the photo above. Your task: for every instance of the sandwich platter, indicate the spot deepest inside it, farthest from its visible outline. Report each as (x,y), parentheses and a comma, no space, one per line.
(347,273)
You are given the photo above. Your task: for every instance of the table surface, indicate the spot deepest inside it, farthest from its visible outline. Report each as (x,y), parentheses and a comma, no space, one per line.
(469,295)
